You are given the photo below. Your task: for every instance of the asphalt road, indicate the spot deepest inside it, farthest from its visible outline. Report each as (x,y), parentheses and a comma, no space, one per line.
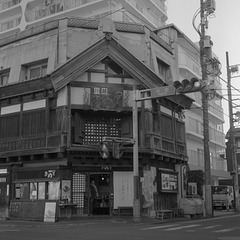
(221,228)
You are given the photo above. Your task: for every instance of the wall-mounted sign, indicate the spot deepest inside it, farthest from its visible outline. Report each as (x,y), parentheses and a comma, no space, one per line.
(50,173)
(167,181)
(106,98)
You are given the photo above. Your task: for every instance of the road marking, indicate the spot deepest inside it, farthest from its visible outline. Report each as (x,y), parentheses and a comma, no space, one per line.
(209,227)
(224,230)
(159,227)
(181,227)
(9,230)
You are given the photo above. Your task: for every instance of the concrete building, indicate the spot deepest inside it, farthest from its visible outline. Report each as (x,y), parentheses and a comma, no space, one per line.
(188,58)
(17,15)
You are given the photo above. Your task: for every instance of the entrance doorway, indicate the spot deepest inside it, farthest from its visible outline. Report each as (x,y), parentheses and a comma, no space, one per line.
(100,190)
(92,200)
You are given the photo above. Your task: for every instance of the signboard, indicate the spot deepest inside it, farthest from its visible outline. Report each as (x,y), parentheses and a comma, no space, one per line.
(167,181)
(50,212)
(156,92)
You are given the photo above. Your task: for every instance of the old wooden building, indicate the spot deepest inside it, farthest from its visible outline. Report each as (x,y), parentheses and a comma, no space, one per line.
(69,83)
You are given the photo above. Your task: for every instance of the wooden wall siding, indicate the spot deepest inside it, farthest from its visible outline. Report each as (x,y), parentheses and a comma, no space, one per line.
(168,146)
(181,148)
(34,132)
(33,123)
(34,142)
(9,126)
(54,140)
(9,145)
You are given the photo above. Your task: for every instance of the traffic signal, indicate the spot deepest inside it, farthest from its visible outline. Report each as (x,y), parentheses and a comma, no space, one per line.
(188,85)
(104,150)
(117,150)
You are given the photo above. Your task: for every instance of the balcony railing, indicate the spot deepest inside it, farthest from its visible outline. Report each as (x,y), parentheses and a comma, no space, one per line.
(158,143)
(35,12)
(8,4)
(9,24)
(187,62)
(34,142)
(197,159)
(196,127)
(215,109)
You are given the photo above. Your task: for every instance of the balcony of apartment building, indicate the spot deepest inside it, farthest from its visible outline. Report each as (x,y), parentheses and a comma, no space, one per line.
(10,17)
(4,5)
(218,165)
(39,9)
(194,128)
(189,67)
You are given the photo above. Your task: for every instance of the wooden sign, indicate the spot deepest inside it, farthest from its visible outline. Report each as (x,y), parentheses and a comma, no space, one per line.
(50,212)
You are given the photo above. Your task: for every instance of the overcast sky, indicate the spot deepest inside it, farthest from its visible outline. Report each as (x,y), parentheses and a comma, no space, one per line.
(224,29)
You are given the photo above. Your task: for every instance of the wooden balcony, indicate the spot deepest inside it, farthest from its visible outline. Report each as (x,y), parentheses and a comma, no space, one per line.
(38,144)
(163,146)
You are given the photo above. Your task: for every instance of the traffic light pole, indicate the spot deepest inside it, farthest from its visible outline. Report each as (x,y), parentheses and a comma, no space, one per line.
(231,139)
(207,166)
(136,195)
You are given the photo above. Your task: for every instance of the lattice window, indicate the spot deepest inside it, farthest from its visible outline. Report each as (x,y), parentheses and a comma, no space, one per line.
(79,191)
(96,128)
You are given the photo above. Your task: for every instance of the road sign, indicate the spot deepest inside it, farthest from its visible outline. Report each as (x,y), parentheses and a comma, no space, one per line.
(151,93)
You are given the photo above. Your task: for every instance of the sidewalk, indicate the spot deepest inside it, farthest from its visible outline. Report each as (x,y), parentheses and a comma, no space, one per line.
(129,219)
(107,220)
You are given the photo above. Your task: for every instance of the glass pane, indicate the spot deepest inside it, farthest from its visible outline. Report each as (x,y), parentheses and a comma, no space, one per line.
(44,70)
(33,190)
(41,190)
(24,190)
(53,190)
(35,72)
(17,191)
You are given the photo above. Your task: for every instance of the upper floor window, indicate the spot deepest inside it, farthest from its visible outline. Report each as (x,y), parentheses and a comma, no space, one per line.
(164,70)
(34,70)
(37,71)
(4,76)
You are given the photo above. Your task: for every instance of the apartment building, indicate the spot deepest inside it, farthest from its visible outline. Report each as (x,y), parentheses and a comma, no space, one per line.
(188,58)
(18,15)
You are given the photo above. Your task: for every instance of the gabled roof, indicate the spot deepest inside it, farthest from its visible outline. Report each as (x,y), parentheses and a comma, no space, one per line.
(97,52)
(110,47)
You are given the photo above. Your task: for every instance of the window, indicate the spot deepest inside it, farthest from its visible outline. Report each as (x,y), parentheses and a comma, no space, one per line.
(200,157)
(166,127)
(96,127)
(180,132)
(4,78)
(164,70)
(37,71)
(37,190)
(34,70)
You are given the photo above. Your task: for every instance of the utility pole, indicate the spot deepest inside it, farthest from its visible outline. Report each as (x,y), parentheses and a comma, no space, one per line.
(207,166)
(231,139)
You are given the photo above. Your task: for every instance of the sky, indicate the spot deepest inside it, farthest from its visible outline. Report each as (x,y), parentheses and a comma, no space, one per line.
(224,29)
